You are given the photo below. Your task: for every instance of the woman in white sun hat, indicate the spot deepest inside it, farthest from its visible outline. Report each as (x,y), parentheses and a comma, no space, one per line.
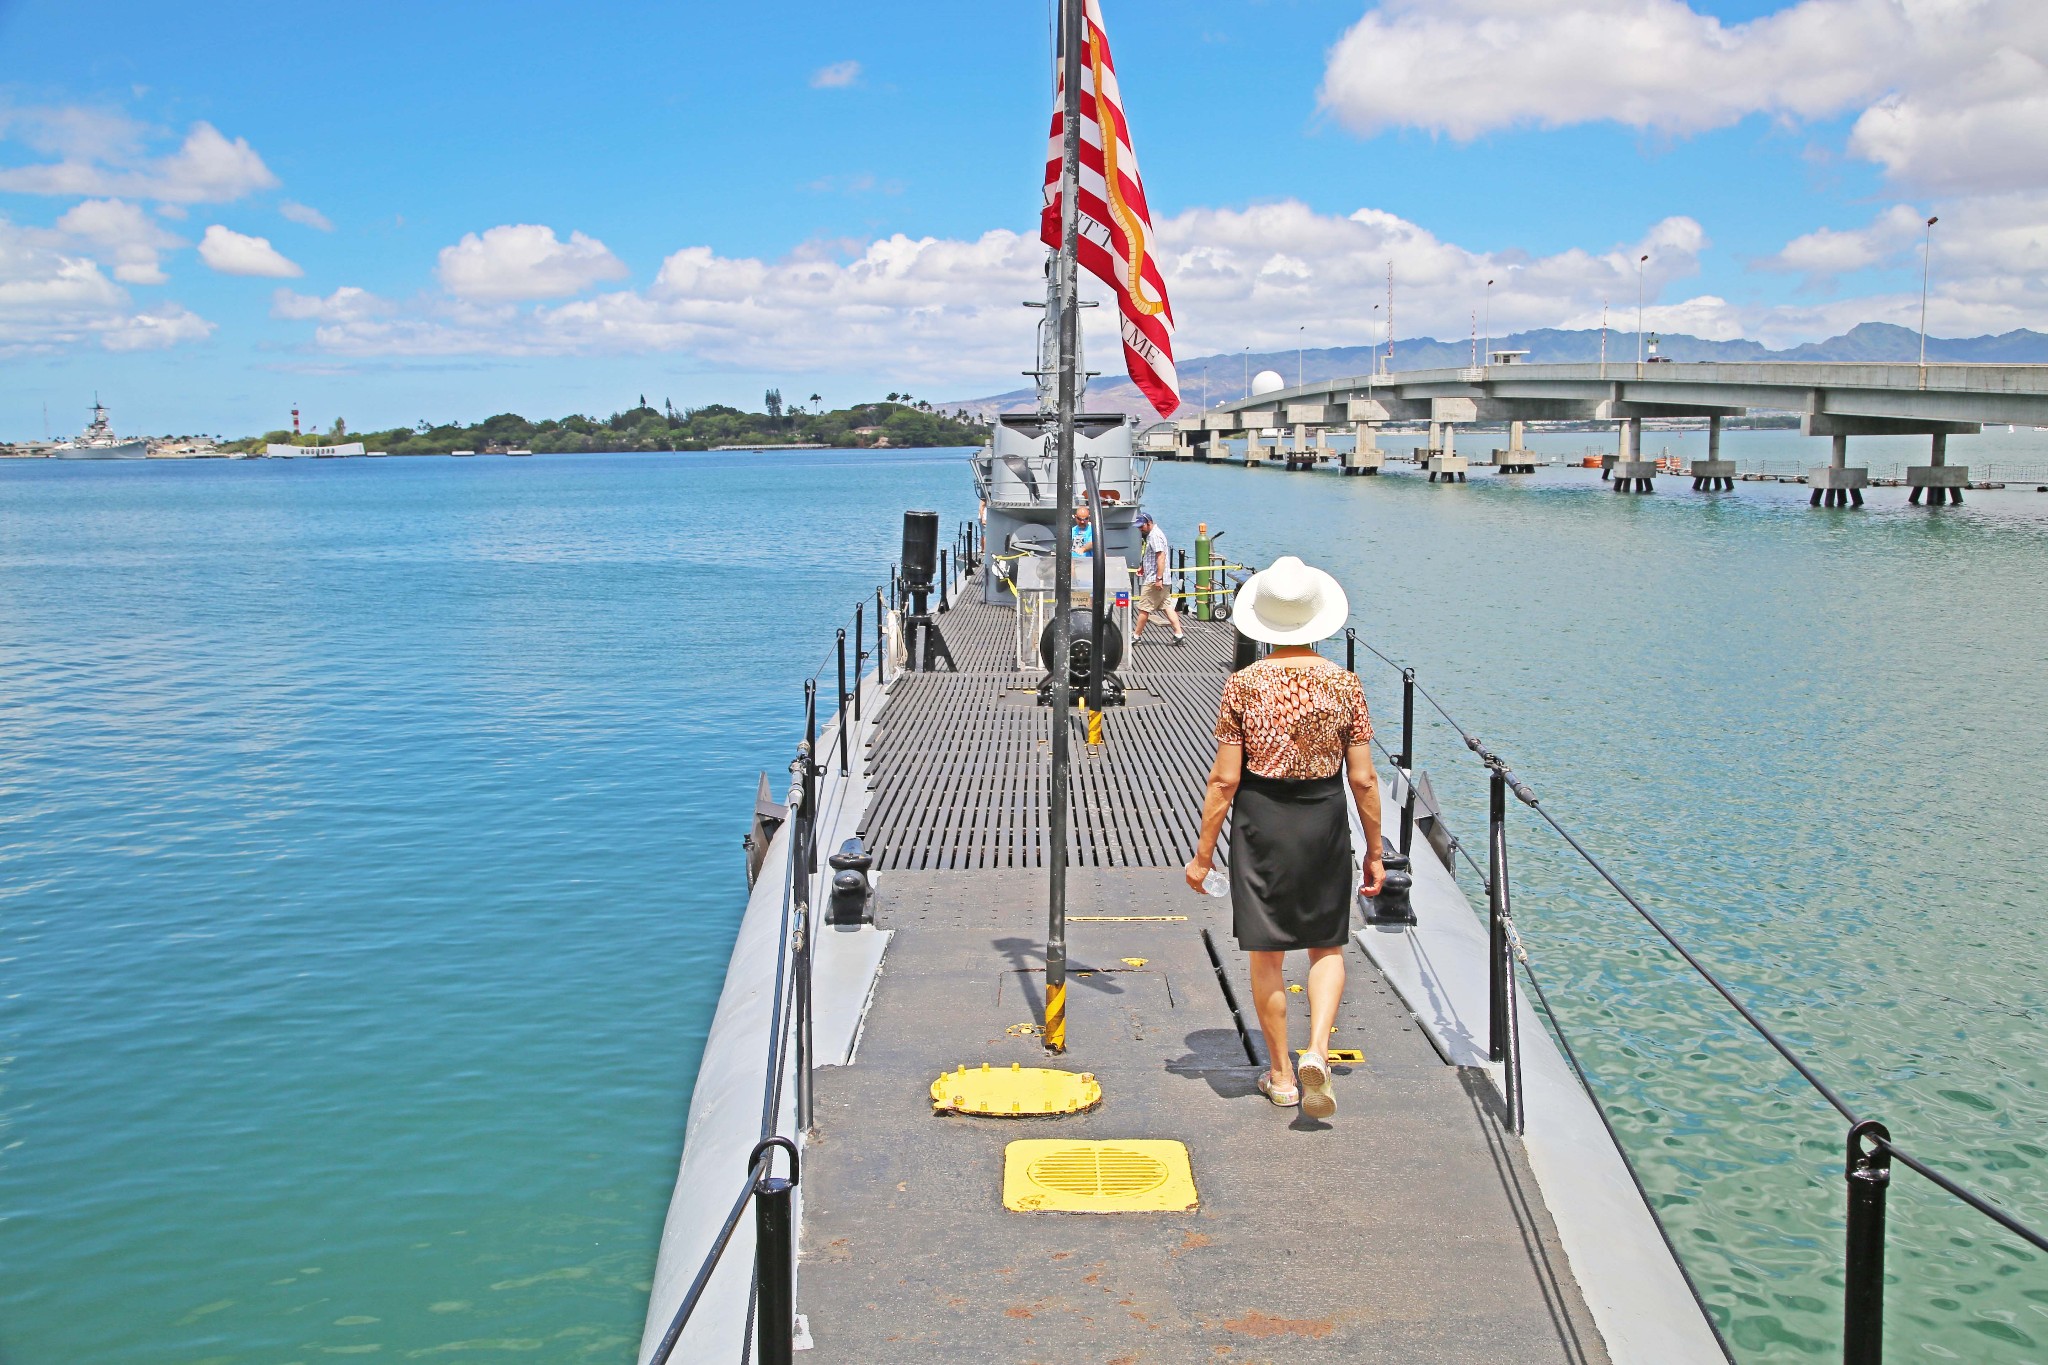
(1292,735)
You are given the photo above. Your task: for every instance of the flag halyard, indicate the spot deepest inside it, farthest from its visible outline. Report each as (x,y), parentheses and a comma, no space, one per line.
(1116,242)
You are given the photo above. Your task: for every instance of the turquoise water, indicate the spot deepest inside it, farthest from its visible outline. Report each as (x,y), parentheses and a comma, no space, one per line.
(369,856)
(369,859)
(1814,741)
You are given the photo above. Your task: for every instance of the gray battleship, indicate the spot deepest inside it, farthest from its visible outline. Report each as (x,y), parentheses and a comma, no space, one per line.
(98,442)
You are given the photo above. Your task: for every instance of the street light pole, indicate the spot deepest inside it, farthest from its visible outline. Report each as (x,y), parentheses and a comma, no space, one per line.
(1375,338)
(1247,371)
(1926,258)
(1639,307)
(1489,322)
(1300,341)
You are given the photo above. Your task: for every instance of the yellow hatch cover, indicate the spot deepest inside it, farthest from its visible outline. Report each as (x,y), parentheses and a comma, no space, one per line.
(1014,1092)
(1136,1175)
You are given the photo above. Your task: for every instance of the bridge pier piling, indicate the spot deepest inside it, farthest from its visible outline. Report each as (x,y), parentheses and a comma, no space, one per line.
(1366,457)
(1938,477)
(1713,474)
(1447,464)
(1632,473)
(1835,484)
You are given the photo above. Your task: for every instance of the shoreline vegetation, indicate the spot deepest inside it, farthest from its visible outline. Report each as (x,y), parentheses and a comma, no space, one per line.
(895,422)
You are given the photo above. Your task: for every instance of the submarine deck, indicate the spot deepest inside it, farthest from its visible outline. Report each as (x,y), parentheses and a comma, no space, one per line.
(1406,1228)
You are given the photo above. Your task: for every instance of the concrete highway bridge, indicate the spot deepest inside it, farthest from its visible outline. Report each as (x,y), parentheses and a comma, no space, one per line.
(1833,399)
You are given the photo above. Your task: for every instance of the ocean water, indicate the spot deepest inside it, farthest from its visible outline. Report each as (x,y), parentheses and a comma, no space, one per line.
(369,860)
(369,857)
(1814,742)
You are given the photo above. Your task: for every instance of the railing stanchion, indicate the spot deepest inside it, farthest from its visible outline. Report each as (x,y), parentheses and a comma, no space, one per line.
(808,857)
(1868,1173)
(881,641)
(1497,915)
(775,1260)
(1350,650)
(842,703)
(944,574)
(860,655)
(1408,759)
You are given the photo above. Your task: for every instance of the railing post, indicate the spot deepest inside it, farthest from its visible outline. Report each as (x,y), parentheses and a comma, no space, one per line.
(774,1259)
(860,655)
(811,768)
(881,641)
(1350,650)
(842,703)
(1868,1172)
(1408,758)
(1497,914)
(944,574)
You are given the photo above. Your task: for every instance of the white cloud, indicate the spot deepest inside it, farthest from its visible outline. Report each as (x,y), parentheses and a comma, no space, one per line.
(156,330)
(232,253)
(206,168)
(1950,94)
(346,304)
(51,298)
(947,310)
(1988,268)
(1825,253)
(837,76)
(525,261)
(305,215)
(121,234)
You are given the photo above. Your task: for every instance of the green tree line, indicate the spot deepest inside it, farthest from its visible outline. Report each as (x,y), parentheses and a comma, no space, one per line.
(898,421)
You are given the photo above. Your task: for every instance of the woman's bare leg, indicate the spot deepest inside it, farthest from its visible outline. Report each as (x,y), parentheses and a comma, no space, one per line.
(1269,998)
(1325,989)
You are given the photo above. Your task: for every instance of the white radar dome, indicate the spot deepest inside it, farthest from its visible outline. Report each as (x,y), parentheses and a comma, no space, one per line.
(1267,381)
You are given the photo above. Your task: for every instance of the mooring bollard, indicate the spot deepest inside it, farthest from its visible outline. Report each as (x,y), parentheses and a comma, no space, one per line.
(1868,1173)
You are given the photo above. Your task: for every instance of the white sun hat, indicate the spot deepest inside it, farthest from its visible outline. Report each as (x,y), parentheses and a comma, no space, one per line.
(1290,603)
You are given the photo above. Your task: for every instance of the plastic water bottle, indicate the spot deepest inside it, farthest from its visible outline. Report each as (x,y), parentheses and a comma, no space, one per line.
(1215,884)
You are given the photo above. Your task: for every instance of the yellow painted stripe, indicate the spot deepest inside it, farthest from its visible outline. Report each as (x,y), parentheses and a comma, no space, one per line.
(1056,1018)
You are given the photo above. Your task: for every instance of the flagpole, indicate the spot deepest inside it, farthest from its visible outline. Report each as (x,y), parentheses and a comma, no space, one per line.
(1072,27)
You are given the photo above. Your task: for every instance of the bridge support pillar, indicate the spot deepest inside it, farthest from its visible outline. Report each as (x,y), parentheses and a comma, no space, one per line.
(1939,480)
(1447,464)
(1365,457)
(1298,457)
(1514,460)
(1632,473)
(1713,473)
(1835,484)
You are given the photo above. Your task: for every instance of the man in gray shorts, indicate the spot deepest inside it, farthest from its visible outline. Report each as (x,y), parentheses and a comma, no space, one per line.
(1155,591)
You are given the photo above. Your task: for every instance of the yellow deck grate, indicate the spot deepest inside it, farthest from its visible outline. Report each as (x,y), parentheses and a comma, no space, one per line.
(1138,1175)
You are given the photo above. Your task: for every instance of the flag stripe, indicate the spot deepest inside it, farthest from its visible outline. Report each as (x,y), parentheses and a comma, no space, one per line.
(1116,243)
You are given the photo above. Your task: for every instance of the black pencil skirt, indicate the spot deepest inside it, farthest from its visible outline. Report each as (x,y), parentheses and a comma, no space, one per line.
(1290,863)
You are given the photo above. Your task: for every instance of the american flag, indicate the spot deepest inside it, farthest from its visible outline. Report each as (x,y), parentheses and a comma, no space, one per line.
(1115,234)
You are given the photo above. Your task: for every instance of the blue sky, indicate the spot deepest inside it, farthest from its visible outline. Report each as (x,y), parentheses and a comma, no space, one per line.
(859,186)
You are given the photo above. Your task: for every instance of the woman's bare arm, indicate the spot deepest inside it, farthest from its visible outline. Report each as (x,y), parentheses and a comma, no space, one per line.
(1224,775)
(1365,792)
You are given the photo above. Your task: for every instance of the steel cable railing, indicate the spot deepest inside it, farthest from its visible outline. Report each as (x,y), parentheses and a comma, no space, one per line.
(1870,1147)
(789,1026)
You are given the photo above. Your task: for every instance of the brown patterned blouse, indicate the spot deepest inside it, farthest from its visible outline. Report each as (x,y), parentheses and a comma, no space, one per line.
(1295,720)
